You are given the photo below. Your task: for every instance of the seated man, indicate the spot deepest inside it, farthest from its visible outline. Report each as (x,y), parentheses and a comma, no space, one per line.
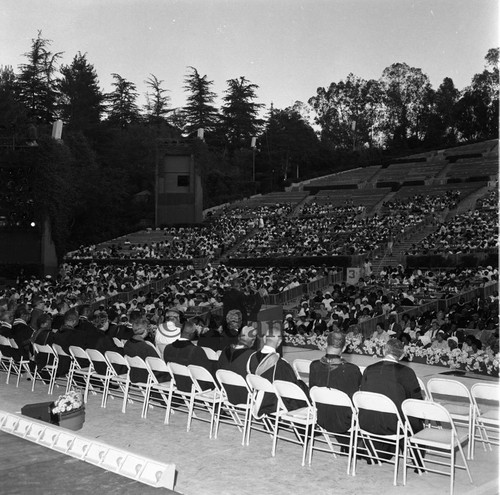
(184,352)
(268,364)
(396,381)
(137,346)
(235,358)
(334,372)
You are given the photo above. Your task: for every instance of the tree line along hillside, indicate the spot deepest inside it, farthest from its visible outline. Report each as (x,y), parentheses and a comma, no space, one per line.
(107,156)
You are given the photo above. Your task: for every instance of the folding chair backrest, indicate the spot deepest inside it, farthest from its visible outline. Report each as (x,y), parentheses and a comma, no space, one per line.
(228,377)
(301,367)
(423,388)
(136,362)
(44,349)
(290,390)
(373,401)
(485,391)
(96,356)
(200,373)
(78,352)
(259,383)
(157,364)
(444,386)
(426,410)
(211,354)
(59,350)
(116,362)
(331,396)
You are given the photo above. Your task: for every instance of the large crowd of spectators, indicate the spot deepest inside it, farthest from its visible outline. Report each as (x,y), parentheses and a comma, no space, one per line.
(425,203)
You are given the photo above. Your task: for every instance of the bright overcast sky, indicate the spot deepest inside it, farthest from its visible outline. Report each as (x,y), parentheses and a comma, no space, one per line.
(287,47)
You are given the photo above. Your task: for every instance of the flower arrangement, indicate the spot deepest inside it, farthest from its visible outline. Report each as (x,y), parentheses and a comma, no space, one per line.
(68,402)
(483,361)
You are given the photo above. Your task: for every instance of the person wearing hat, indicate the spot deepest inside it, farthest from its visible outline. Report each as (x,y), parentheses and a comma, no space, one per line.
(168,331)
(396,381)
(334,372)
(289,325)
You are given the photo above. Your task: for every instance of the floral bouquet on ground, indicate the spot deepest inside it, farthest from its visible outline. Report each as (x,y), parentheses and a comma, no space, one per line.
(71,401)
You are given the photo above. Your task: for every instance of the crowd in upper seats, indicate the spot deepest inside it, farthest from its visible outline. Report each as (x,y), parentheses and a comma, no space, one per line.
(475,230)
(330,209)
(256,211)
(340,234)
(425,203)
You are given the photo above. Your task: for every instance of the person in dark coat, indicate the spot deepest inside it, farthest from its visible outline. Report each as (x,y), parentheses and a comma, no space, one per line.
(234,298)
(184,352)
(21,333)
(333,371)
(396,381)
(235,358)
(137,346)
(268,364)
(67,336)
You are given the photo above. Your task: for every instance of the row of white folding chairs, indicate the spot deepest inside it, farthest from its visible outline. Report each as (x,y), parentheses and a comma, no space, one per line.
(9,364)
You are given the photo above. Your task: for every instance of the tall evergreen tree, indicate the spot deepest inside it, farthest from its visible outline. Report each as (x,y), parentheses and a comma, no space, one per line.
(199,112)
(37,81)
(240,112)
(82,101)
(123,109)
(157,101)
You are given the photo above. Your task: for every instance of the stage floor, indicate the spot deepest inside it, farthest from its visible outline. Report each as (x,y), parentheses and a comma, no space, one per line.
(211,467)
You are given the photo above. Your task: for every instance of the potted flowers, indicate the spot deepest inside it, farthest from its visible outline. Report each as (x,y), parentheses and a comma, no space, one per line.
(69,411)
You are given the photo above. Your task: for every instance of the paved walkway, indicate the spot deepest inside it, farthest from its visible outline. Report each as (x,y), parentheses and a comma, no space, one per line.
(222,466)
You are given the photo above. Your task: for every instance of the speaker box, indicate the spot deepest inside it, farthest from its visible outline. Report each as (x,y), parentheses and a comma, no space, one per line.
(41,411)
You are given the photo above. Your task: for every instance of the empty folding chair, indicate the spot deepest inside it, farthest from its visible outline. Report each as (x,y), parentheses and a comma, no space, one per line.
(325,397)
(63,367)
(377,403)
(80,369)
(20,364)
(46,362)
(236,399)
(439,441)
(485,397)
(301,368)
(456,398)
(158,390)
(139,380)
(118,374)
(99,378)
(207,393)
(259,387)
(300,420)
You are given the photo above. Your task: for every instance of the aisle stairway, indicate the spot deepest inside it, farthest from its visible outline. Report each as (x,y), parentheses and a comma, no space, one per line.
(400,248)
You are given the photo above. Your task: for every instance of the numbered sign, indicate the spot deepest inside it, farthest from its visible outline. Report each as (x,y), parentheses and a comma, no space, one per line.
(352,276)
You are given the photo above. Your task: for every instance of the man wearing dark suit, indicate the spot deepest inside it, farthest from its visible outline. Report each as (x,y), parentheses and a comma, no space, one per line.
(276,369)
(137,346)
(234,298)
(67,336)
(235,357)
(184,352)
(21,332)
(396,381)
(333,371)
